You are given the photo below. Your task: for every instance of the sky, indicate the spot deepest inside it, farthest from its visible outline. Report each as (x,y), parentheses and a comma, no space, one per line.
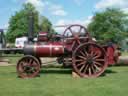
(61,12)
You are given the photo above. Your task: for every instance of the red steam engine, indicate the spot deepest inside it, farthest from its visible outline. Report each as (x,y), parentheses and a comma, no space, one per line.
(74,47)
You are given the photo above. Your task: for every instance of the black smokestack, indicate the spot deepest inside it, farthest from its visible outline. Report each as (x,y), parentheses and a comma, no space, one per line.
(1,34)
(31,27)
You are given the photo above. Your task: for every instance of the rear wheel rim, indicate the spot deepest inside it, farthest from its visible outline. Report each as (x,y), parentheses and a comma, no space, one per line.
(89,60)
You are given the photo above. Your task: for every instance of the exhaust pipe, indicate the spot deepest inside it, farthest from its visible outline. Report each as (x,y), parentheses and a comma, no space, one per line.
(31,27)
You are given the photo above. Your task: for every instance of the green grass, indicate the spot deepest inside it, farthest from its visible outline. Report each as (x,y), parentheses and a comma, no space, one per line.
(13,58)
(59,82)
(124,53)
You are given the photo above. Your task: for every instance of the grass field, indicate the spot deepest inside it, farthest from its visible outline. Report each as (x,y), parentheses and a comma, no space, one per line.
(59,82)
(124,53)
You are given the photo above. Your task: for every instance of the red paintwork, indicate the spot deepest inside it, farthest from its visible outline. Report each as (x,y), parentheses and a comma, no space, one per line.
(42,36)
(112,54)
(55,49)
(50,49)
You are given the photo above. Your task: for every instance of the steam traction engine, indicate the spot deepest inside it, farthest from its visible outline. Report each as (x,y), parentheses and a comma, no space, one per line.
(75,47)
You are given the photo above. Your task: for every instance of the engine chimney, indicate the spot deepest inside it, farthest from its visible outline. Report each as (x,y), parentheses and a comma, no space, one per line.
(31,27)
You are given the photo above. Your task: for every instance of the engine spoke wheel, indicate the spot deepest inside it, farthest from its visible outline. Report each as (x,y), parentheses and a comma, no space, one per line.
(89,60)
(28,67)
(74,32)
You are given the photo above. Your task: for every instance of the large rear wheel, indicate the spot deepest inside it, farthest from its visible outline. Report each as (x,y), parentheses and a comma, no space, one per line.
(89,60)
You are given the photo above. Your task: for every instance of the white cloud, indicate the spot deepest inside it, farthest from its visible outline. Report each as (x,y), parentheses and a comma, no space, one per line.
(57,10)
(61,22)
(122,4)
(69,22)
(111,3)
(39,4)
(59,13)
(66,22)
(54,9)
(88,20)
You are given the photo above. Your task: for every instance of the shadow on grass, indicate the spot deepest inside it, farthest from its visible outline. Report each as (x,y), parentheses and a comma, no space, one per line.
(69,71)
(108,71)
(56,71)
(61,70)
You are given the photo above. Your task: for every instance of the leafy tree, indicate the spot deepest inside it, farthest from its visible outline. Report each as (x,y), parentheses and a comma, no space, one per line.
(18,24)
(110,24)
(46,26)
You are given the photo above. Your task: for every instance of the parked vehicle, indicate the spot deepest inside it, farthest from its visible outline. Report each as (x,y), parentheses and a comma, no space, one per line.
(20,42)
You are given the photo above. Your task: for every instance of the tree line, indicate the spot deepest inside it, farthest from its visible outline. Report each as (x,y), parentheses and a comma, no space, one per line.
(110,24)
(19,23)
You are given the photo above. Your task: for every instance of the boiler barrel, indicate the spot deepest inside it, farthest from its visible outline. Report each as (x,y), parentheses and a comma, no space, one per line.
(41,50)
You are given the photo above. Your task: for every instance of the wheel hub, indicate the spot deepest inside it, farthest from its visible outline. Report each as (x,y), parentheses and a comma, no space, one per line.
(27,68)
(90,60)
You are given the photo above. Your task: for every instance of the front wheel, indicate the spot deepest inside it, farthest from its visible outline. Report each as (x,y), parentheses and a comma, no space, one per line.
(28,67)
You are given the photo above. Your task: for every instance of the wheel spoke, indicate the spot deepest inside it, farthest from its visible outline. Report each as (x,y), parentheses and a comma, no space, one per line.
(21,68)
(82,67)
(86,52)
(34,64)
(90,48)
(82,53)
(73,44)
(97,56)
(82,63)
(80,30)
(97,63)
(99,60)
(97,67)
(78,41)
(93,70)
(92,53)
(89,71)
(30,61)
(79,60)
(85,69)
(71,31)
(82,57)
